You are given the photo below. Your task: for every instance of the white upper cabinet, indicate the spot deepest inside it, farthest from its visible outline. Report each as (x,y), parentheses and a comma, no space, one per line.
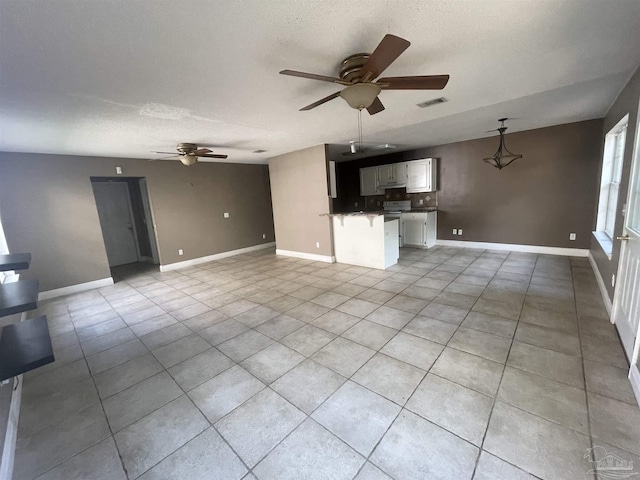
(418,176)
(369,182)
(421,176)
(393,175)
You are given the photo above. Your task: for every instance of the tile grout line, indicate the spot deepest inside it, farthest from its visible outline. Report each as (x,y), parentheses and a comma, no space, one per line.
(325,290)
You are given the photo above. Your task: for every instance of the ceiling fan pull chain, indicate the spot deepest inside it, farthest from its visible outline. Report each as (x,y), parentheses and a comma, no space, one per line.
(359,129)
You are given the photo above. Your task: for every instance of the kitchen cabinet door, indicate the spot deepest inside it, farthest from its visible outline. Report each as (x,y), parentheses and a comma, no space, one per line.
(421,176)
(392,175)
(385,174)
(369,181)
(414,233)
(418,229)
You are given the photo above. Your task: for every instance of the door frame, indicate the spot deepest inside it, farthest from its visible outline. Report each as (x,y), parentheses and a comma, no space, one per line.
(149,220)
(131,216)
(634,360)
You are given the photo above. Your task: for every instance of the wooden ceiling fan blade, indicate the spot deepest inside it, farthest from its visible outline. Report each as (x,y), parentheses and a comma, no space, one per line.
(425,82)
(375,107)
(321,101)
(213,155)
(390,48)
(201,151)
(167,153)
(311,76)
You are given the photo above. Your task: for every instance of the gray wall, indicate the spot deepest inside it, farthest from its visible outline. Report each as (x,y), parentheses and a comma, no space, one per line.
(48,209)
(300,194)
(537,200)
(626,103)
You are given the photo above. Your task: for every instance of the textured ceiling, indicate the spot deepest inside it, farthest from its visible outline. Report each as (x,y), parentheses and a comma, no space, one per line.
(124,78)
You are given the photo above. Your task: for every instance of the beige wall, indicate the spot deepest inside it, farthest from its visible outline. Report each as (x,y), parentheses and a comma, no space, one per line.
(48,209)
(626,103)
(300,194)
(537,200)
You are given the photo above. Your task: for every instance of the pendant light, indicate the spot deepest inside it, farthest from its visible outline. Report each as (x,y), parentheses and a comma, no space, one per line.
(503,156)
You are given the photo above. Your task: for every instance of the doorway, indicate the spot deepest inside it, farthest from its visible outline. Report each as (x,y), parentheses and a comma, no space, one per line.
(626,299)
(125,219)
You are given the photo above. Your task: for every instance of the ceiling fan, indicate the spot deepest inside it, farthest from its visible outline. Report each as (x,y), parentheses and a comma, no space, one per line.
(188,153)
(358,71)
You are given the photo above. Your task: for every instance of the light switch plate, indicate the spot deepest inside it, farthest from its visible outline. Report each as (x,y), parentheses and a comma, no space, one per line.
(226,214)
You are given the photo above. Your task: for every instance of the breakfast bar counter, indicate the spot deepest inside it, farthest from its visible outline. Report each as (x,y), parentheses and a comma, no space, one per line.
(366,239)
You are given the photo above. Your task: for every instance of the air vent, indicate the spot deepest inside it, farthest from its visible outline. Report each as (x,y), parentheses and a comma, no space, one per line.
(384,146)
(429,103)
(259,151)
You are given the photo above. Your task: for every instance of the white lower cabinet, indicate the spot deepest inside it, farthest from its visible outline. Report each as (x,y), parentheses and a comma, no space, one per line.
(418,229)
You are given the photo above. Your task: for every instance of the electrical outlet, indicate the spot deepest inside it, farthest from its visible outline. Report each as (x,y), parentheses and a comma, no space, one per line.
(421,202)
(118,170)
(180,252)
(317,244)
(356,204)
(572,236)
(264,235)
(226,214)
(459,231)
(455,231)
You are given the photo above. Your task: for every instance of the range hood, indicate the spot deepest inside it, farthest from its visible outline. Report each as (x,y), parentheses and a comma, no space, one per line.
(398,184)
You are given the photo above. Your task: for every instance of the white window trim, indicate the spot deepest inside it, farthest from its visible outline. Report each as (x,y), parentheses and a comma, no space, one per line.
(605,238)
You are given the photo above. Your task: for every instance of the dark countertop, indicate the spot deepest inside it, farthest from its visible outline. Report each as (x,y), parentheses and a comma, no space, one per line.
(382,212)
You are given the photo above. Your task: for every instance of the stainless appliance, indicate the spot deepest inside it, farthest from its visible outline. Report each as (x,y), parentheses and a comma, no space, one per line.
(394,209)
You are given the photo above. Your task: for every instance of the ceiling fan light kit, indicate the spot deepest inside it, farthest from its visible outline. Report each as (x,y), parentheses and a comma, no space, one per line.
(358,72)
(503,156)
(188,160)
(360,95)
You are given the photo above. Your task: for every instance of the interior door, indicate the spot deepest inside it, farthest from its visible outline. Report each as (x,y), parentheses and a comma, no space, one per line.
(626,300)
(116,220)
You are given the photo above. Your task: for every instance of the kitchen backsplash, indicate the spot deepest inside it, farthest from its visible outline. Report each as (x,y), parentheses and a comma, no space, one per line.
(429,200)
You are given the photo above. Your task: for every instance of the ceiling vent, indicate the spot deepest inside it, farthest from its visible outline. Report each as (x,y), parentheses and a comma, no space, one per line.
(259,151)
(429,103)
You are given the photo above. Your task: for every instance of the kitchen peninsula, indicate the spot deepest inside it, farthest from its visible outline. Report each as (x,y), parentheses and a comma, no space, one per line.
(365,239)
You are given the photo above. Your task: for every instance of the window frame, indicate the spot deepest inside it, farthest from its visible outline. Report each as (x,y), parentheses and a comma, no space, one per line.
(610,178)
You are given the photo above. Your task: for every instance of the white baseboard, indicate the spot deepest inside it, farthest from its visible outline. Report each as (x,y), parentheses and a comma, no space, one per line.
(80,287)
(634,378)
(210,258)
(306,256)
(573,252)
(11,434)
(603,289)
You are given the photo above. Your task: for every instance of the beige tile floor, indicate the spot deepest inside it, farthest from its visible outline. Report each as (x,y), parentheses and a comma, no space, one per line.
(453,364)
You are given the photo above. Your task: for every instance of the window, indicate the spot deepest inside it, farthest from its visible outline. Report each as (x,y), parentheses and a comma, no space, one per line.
(610,183)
